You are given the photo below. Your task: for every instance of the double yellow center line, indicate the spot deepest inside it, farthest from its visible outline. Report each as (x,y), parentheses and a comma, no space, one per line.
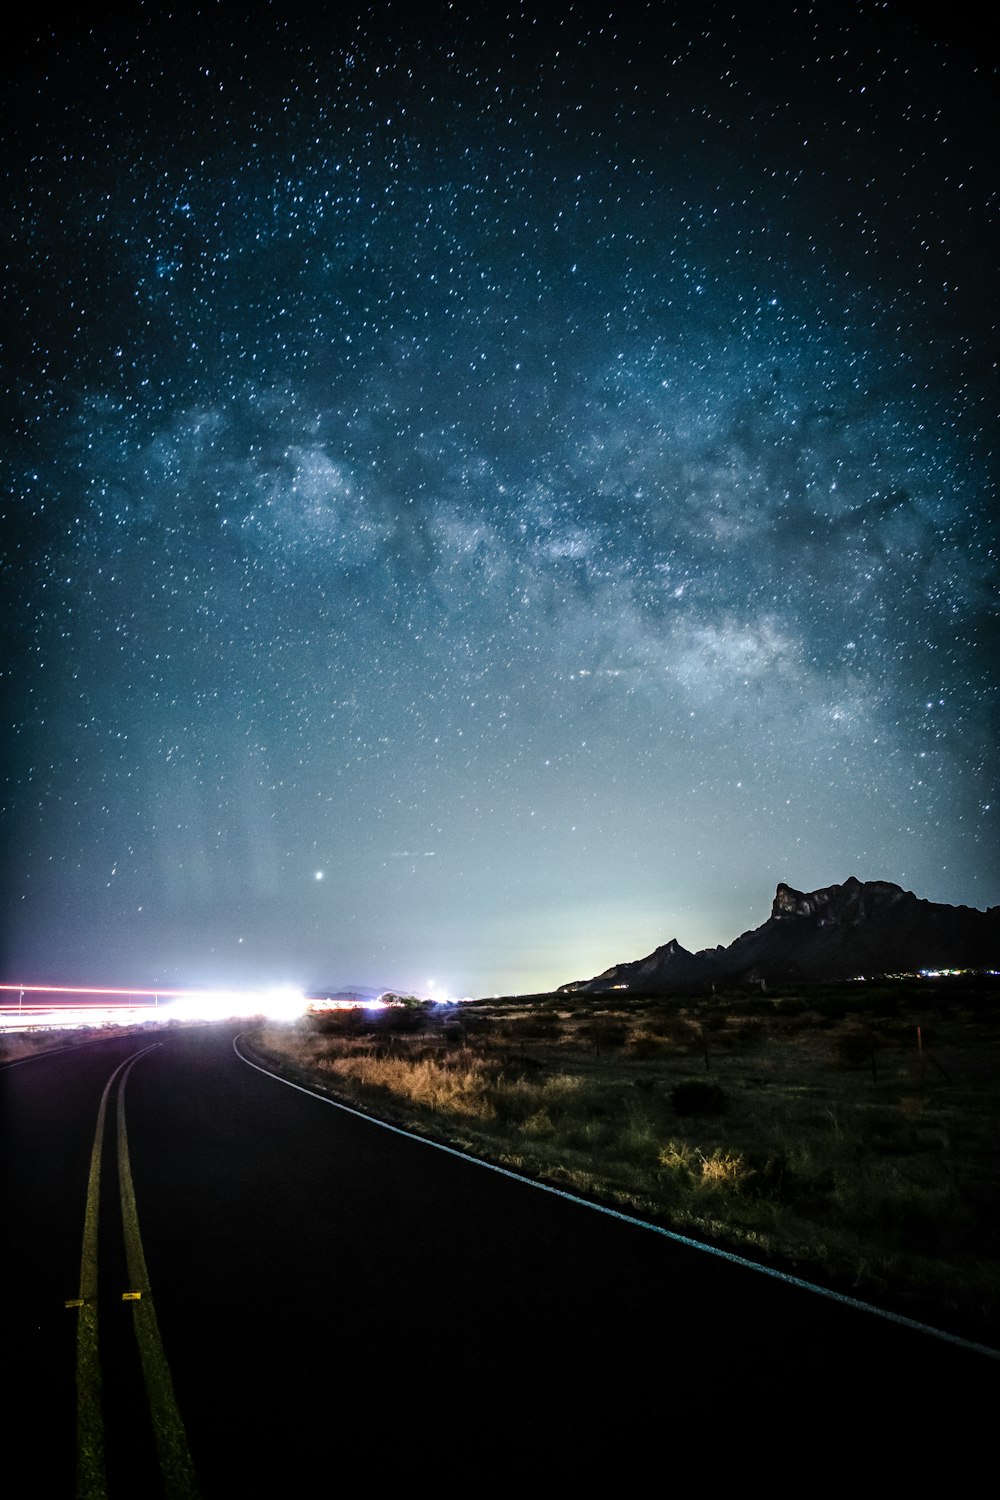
(176,1468)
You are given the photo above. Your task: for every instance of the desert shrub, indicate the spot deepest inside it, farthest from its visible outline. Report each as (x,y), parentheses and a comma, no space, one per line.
(722,1169)
(643,1046)
(883,1002)
(517,1068)
(745,1031)
(889,1131)
(638,1139)
(771,1174)
(680,1033)
(589,1135)
(400,1020)
(544,1026)
(658,1016)
(335,1022)
(517,1099)
(753,1005)
(691,1168)
(696,1097)
(678,1159)
(831,1008)
(854,1049)
(606,1033)
(506,1033)
(914,1216)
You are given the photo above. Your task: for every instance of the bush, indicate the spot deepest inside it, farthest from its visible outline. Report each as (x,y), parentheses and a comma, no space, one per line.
(771,1175)
(544,1026)
(643,1046)
(688,1167)
(400,1019)
(855,1049)
(723,1169)
(606,1034)
(697,1098)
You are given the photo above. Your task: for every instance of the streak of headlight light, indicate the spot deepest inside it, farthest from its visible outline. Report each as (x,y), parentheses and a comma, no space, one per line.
(284,1002)
(279,1003)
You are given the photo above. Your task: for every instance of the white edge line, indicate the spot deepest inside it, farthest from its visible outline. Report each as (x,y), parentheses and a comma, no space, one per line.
(614,1213)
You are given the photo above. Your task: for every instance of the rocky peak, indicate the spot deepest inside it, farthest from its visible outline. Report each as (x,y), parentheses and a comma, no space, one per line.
(673,949)
(844,902)
(837,932)
(788,902)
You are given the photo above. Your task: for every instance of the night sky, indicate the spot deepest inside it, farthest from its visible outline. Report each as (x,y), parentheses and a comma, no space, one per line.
(491,488)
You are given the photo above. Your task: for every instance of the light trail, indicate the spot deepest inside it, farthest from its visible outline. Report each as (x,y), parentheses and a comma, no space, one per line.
(73,1005)
(85,989)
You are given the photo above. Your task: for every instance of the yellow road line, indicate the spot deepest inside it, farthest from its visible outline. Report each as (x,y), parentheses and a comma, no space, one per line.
(176,1467)
(91,1480)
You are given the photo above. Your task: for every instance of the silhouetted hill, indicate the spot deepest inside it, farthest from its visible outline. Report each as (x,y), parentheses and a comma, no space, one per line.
(359,992)
(839,932)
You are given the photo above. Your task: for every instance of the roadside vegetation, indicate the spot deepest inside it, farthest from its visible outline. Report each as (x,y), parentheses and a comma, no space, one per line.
(17,1046)
(850,1134)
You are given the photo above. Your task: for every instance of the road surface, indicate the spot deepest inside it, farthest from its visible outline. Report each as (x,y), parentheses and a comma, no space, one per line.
(314,1292)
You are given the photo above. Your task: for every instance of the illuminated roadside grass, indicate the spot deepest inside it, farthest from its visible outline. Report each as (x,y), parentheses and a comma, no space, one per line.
(19,1046)
(452,1087)
(819,1132)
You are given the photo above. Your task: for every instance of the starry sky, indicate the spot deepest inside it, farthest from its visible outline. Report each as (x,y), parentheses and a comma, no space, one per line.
(490,489)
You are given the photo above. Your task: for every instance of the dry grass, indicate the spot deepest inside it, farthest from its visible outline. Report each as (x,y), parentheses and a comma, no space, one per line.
(810,1130)
(16,1046)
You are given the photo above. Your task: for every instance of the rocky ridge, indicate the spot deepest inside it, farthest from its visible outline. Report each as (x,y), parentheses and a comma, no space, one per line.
(838,932)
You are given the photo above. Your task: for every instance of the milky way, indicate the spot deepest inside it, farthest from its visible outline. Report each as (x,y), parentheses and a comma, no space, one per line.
(490,493)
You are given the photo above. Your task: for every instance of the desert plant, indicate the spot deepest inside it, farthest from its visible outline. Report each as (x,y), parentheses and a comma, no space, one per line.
(695,1097)
(606,1033)
(678,1158)
(722,1169)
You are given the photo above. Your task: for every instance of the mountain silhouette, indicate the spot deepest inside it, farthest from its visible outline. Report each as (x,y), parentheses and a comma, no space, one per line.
(839,932)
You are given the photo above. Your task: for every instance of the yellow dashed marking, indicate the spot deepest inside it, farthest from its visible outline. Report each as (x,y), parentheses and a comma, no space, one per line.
(177,1471)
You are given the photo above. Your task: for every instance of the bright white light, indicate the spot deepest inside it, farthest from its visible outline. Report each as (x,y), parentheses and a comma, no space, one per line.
(45,1005)
(281,1002)
(318,875)
(284,1002)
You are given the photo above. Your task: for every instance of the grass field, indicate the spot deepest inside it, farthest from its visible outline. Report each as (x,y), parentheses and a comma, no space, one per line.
(849,1133)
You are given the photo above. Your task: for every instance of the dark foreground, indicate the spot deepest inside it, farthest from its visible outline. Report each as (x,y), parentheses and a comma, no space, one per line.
(331,1295)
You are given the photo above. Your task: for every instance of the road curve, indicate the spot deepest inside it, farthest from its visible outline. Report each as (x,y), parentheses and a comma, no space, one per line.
(328,1292)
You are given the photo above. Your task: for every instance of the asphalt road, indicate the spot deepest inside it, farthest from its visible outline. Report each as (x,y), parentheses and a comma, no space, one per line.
(340,1304)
